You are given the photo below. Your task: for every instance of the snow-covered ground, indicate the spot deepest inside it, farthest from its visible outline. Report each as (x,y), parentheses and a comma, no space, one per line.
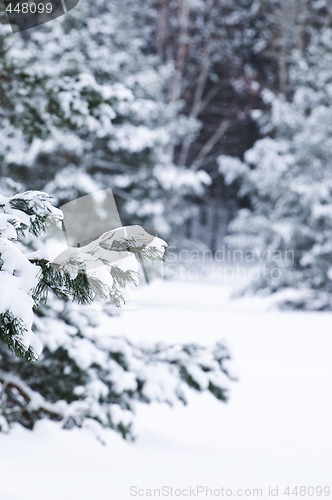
(276,429)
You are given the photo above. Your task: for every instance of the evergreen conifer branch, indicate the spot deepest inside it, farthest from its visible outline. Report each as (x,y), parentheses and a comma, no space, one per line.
(78,274)
(12,330)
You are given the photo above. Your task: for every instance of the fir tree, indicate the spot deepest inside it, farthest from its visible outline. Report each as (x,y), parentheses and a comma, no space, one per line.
(287,180)
(86,109)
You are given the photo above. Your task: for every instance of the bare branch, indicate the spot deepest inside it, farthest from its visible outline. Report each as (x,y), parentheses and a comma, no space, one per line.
(210,144)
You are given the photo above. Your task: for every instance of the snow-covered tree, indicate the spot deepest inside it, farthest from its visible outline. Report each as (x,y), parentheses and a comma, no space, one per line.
(85,376)
(286,179)
(26,212)
(86,108)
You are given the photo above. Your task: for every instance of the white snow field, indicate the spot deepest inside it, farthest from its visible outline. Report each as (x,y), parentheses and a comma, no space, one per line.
(276,430)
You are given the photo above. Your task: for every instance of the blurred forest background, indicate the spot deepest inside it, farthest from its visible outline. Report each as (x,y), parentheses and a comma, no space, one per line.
(160,101)
(210,120)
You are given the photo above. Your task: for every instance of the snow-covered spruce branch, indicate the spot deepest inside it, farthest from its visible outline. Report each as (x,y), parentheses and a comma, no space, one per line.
(100,270)
(105,378)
